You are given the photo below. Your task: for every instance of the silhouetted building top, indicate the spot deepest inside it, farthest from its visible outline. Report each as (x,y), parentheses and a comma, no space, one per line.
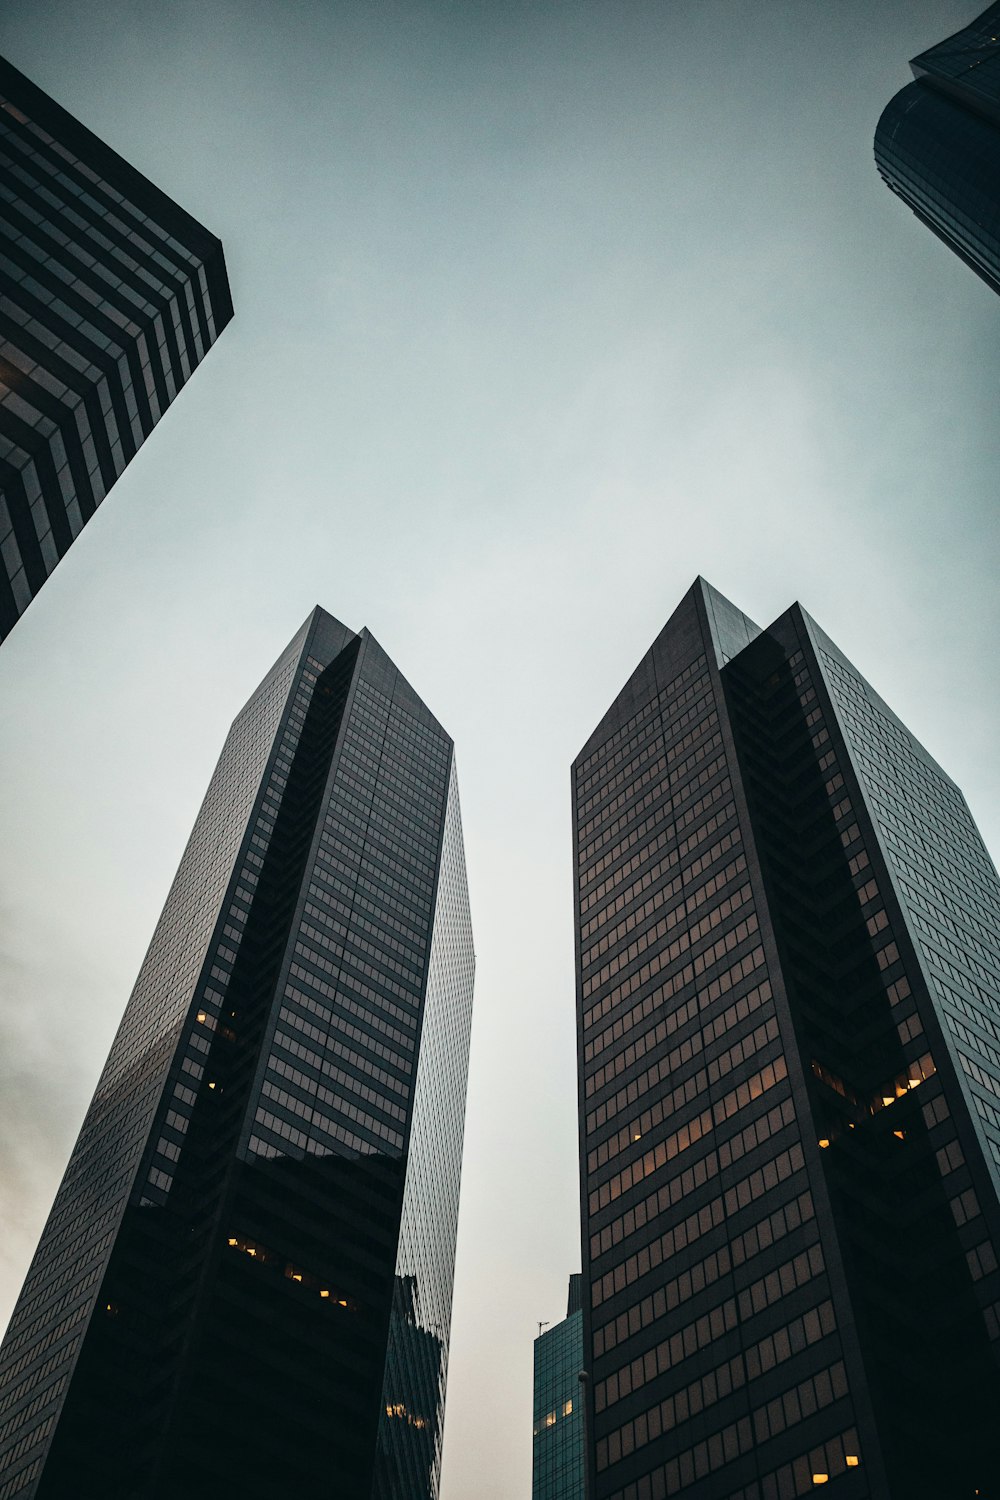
(789,1054)
(112,296)
(244,1286)
(938,143)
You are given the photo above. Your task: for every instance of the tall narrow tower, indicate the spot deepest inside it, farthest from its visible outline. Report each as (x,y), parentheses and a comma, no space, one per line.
(789,1048)
(244,1286)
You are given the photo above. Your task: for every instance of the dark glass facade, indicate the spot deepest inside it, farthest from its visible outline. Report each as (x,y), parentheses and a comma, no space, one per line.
(938,143)
(112,296)
(789,1011)
(244,1286)
(557,1456)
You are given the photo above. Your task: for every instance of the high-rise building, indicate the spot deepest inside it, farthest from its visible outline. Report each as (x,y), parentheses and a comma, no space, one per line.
(244,1286)
(557,1455)
(112,295)
(938,143)
(789,1033)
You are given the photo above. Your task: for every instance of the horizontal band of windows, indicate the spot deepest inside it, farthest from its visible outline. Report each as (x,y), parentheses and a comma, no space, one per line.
(784,1343)
(692,901)
(745,968)
(813,1394)
(669,780)
(666,699)
(685,1093)
(741,1247)
(661,728)
(322,1063)
(683,815)
(689,1135)
(675,1189)
(733,1016)
(294,1107)
(641,770)
(327,1036)
(741,969)
(679,1291)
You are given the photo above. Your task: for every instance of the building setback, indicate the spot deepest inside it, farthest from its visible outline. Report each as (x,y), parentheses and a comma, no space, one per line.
(938,143)
(789,1046)
(112,296)
(557,1468)
(244,1286)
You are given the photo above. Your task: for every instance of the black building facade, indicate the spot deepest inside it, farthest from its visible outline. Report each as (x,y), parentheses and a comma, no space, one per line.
(244,1286)
(789,1041)
(112,295)
(938,143)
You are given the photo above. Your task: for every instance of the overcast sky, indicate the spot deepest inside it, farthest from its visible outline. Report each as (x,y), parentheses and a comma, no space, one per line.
(541,310)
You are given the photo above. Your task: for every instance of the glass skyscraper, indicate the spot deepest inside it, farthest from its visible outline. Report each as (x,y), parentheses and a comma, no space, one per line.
(789,1042)
(112,295)
(557,1467)
(244,1286)
(938,143)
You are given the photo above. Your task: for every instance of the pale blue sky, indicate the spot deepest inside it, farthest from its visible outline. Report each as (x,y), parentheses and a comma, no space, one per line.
(541,310)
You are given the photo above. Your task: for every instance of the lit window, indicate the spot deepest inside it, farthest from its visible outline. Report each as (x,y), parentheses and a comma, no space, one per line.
(567,1408)
(550,1419)
(201,1015)
(824,1142)
(852,1460)
(821,1478)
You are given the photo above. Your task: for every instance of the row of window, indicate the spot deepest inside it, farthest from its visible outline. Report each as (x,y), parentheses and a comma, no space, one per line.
(733,1015)
(737,972)
(669,1103)
(667,696)
(688,1135)
(676,1188)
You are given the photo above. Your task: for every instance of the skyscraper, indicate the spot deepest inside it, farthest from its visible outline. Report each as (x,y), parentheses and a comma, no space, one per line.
(557,1457)
(112,296)
(938,143)
(789,1048)
(244,1286)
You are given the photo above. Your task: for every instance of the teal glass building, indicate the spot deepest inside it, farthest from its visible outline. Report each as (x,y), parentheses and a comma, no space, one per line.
(557,1469)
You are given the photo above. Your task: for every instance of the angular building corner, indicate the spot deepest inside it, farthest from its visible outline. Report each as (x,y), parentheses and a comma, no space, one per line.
(113,295)
(244,1285)
(937,144)
(789,1073)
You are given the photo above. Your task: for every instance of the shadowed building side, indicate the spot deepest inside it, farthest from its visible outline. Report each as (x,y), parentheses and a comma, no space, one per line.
(937,144)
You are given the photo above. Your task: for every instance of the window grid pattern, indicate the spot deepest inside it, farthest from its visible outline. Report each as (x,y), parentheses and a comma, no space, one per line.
(690,1143)
(113,296)
(557,1471)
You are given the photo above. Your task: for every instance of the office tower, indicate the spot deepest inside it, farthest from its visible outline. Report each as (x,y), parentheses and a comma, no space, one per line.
(112,296)
(557,1467)
(938,143)
(789,1032)
(244,1286)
